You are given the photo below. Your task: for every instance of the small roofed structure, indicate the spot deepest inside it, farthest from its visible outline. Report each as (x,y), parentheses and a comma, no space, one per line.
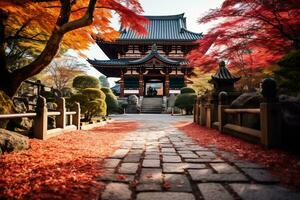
(223,80)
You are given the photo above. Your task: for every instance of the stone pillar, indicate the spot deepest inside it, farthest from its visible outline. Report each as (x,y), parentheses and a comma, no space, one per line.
(270,115)
(141,85)
(122,85)
(221,106)
(61,119)
(77,115)
(167,85)
(202,120)
(41,119)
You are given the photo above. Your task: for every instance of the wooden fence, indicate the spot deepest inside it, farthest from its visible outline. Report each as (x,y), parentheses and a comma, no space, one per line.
(269,133)
(65,120)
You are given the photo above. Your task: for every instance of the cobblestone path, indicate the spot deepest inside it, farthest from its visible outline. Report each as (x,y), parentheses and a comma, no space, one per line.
(159,162)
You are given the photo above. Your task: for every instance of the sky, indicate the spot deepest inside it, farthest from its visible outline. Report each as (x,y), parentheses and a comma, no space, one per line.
(193,10)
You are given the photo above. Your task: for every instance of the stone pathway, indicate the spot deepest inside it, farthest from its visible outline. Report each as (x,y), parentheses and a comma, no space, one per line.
(159,162)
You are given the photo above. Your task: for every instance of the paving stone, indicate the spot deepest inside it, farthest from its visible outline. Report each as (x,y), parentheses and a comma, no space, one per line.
(132,158)
(205,175)
(171,159)
(143,187)
(165,196)
(116,191)
(111,163)
(151,163)
(260,175)
(189,155)
(173,167)
(151,175)
(128,168)
(224,168)
(166,145)
(195,166)
(169,154)
(263,192)
(206,154)
(244,164)
(200,160)
(116,177)
(120,153)
(152,157)
(170,150)
(185,152)
(214,191)
(177,182)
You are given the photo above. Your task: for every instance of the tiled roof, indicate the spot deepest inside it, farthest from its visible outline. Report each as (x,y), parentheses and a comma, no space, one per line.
(171,27)
(224,74)
(122,62)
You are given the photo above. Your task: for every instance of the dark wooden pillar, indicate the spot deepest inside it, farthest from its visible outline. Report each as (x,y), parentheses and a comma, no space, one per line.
(185,80)
(141,84)
(167,84)
(122,84)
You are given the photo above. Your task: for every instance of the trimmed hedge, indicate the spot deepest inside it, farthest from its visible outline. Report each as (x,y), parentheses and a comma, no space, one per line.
(186,101)
(95,107)
(85,81)
(93,93)
(185,90)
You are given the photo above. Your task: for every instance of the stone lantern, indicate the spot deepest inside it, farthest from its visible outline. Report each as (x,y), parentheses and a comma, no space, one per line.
(223,80)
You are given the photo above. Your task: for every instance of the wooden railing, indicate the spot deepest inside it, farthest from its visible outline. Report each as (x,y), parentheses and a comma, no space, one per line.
(40,128)
(269,133)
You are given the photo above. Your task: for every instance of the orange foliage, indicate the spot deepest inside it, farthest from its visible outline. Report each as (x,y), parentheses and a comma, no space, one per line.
(282,164)
(40,19)
(63,167)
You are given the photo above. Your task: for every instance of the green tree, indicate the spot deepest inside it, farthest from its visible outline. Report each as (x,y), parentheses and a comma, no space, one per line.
(111,101)
(185,100)
(288,73)
(104,81)
(85,81)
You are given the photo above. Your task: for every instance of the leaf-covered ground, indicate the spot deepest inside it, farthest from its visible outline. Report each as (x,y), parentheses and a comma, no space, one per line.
(282,164)
(63,167)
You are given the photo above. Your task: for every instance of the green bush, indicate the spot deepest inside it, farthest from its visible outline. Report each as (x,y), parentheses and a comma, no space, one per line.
(6,107)
(288,73)
(80,98)
(185,90)
(94,108)
(93,93)
(112,103)
(85,81)
(106,90)
(186,101)
(50,97)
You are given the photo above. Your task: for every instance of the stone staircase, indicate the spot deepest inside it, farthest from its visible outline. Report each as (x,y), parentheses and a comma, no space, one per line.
(151,105)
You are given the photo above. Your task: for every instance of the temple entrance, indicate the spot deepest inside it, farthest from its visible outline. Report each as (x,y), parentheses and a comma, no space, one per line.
(154,88)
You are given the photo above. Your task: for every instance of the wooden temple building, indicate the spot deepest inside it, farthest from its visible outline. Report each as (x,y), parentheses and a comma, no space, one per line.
(155,60)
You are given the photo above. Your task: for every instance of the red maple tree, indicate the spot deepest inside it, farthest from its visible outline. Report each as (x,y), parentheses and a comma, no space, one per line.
(250,34)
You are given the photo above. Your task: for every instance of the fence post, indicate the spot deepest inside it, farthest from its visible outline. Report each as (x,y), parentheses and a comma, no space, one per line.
(196,110)
(41,119)
(202,120)
(221,106)
(77,115)
(208,115)
(270,115)
(61,119)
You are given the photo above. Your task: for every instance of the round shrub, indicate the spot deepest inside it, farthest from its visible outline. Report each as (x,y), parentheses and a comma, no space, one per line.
(94,108)
(93,93)
(80,98)
(85,81)
(186,90)
(186,101)
(6,107)
(106,90)
(111,102)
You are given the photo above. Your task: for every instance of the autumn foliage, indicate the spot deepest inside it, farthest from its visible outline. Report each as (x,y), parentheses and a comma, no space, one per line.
(38,29)
(250,34)
(63,167)
(282,164)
